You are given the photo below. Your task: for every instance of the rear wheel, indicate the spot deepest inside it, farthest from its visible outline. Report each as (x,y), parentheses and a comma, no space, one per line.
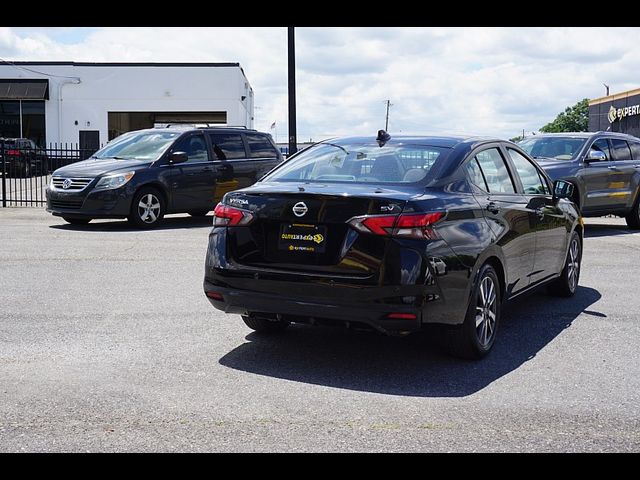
(475,337)
(147,208)
(262,325)
(76,221)
(567,284)
(633,219)
(198,213)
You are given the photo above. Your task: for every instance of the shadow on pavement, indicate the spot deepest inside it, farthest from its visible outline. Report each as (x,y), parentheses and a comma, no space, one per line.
(410,366)
(607,230)
(168,223)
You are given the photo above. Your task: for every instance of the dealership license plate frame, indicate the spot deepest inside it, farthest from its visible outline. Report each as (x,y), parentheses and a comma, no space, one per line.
(302,238)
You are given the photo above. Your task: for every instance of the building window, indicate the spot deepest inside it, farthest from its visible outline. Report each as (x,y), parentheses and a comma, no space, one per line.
(23,119)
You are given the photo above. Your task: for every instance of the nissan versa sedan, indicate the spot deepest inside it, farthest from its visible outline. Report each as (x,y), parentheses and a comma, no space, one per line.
(393,234)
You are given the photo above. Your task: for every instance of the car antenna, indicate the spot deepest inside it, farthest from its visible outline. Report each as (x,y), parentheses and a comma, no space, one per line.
(382,138)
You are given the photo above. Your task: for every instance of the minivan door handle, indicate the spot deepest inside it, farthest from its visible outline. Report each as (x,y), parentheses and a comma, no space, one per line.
(612,167)
(493,208)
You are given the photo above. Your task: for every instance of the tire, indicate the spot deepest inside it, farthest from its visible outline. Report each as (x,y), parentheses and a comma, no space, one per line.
(77,221)
(262,325)
(147,208)
(633,218)
(567,284)
(476,336)
(198,213)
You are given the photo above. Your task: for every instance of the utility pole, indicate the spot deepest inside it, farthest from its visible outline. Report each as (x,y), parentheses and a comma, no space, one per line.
(293,144)
(386,123)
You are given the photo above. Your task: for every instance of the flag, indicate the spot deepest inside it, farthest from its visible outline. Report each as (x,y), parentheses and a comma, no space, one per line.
(273,125)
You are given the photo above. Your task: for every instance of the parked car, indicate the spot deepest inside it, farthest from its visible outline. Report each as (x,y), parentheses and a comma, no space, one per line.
(145,174)
(604,166)
(23,158)
(393,234)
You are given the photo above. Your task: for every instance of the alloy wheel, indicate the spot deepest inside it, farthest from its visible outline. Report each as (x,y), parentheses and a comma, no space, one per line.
(149,208)
(486,308)
(573,265)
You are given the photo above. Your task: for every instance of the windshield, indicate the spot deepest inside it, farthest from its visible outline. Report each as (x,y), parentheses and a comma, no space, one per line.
(560,148)
(359,163)
(138,146)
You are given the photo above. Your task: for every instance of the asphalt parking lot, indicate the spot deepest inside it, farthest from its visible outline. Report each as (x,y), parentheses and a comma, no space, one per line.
(107,343)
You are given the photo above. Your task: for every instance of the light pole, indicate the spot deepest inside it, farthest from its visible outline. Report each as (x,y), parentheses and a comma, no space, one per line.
(293,144)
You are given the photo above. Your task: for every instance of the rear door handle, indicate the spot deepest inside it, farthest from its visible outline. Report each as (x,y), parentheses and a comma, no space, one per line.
(636,166)
(611,167)
(493,208)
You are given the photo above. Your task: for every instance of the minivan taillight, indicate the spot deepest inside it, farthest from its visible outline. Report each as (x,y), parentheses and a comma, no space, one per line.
(412,225)
(225,216)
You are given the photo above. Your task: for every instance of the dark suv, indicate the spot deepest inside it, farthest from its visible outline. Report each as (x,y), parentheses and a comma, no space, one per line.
(605,167)
(143,175)
(22,157)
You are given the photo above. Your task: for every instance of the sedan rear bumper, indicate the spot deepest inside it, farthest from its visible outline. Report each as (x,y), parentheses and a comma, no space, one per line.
(374,315)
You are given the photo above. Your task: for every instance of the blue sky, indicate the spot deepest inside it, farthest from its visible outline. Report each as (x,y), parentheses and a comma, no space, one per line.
(485,81)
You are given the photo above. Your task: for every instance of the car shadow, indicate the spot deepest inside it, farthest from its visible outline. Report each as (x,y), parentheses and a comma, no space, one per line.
(410,366)
(168,223)
(607,230)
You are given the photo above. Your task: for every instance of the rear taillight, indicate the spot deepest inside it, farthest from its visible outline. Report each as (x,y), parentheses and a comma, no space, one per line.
(13,152)
(413,225)
(225,216)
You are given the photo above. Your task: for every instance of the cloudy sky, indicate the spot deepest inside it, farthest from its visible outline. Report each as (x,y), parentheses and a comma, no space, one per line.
(486,81)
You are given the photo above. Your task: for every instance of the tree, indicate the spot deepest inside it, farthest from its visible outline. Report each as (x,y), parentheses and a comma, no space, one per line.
(573,119)
(516,139)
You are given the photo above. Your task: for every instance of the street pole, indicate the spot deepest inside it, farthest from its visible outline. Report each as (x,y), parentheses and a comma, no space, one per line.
(292,91)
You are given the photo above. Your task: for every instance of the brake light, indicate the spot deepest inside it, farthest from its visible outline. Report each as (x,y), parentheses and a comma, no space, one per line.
(13,152)
(225,216)
(413,225)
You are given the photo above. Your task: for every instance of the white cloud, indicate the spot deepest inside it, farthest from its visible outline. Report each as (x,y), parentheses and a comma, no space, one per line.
(488,81)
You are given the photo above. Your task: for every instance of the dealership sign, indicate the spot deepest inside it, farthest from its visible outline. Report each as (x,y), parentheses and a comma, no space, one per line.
(620,113)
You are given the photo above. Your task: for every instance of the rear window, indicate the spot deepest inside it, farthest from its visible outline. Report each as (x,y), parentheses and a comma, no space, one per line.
(360,163)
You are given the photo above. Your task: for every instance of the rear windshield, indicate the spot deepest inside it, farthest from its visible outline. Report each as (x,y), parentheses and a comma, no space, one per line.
(359,163)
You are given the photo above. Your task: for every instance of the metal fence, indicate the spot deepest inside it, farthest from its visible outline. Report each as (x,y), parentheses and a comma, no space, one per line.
(25,171)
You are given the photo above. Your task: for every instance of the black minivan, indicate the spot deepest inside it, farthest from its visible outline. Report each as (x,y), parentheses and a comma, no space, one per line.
(145,174)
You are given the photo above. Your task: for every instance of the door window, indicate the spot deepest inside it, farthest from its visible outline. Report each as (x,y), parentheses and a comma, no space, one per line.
(261,147)
(620,149)
(227,146)
(529,175)
(195,148)
(475,175)
(495,171)
(635,150)
(601,145)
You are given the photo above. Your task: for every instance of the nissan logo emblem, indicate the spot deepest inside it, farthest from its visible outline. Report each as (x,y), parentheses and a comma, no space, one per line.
(299,209)
(67,183)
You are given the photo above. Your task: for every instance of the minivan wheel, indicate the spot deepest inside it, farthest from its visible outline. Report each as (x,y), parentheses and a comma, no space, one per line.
(567,284)
(633,219)
(147,208)
(262,325)
(475,337)
(76,221)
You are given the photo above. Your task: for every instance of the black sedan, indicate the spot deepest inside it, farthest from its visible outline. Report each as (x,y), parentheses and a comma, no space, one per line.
(393,234)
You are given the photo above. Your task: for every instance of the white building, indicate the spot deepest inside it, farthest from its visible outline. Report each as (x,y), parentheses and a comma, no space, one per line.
(90,103)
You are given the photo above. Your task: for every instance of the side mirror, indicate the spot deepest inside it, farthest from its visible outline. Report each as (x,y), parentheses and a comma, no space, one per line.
(562,189)
(595,156)
(178,157)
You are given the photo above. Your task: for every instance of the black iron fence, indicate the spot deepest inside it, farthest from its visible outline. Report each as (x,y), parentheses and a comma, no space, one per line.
(25,171)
